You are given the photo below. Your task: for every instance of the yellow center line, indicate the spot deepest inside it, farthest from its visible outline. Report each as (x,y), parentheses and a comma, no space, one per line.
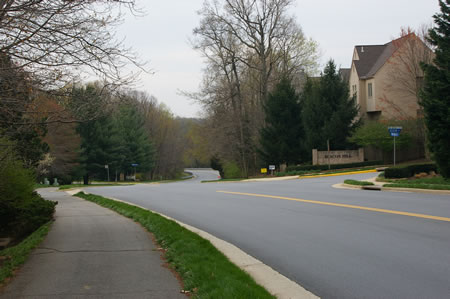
(337,174)
(342,206)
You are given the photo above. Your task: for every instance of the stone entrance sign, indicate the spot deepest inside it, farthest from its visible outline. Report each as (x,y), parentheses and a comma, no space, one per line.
(337,157)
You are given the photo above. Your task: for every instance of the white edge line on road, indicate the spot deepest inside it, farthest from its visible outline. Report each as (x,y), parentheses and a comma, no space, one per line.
(274,282)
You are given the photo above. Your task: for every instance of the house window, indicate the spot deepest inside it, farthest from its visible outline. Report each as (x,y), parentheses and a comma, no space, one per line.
(369,90)
(354,89)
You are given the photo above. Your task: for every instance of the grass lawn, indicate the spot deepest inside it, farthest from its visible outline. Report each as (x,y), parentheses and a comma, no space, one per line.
(436,183)
(358,183)
(11,258)
(205,271)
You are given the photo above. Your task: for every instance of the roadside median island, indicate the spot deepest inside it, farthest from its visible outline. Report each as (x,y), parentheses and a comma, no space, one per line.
(358,183)
(206,272)
(13,257)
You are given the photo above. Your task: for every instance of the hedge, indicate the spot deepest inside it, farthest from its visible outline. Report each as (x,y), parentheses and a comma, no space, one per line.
(408,171)
(332,166)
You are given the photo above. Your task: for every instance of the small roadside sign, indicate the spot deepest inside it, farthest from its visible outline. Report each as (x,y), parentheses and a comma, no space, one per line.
(263,170)
(395,131)
(271,167)
(134,164)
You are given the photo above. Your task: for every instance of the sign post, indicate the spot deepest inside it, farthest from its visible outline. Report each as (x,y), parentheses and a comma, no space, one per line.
(395,132)
(107,170)
(272,168)
(134,165)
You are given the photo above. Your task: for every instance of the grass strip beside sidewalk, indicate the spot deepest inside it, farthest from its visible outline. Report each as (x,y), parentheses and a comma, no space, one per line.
(13,257)
(205,271)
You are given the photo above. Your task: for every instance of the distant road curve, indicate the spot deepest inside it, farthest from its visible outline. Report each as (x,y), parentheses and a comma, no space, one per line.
(203,174)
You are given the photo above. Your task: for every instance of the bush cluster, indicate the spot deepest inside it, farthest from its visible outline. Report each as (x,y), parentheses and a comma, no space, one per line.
(231,171)
(408,171)
(333,166)
(22,210)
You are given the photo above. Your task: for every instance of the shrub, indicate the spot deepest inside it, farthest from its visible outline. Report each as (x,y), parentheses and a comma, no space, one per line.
(231,171)
(333,166)
(21,209)
(216,164)
(358,183)
(408,170)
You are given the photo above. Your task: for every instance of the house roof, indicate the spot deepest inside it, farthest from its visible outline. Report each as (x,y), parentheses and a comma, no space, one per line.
(345,74)
(372,58)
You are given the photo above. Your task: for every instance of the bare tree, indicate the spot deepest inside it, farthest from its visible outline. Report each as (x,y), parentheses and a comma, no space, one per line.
(405,77)
(409,51)
(166,134)
(54,40)
(266,36)
(47,46)
(247,44)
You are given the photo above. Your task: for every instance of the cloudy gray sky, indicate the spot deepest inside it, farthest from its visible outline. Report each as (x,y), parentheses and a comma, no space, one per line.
(161,37)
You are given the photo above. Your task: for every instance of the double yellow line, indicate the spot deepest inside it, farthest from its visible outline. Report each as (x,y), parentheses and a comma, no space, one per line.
(342,206)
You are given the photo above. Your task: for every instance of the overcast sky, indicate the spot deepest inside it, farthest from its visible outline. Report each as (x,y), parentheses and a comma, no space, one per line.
(161,37)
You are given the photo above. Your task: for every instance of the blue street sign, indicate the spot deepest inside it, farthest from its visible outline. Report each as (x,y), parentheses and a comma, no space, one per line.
(134,165)
(395,131)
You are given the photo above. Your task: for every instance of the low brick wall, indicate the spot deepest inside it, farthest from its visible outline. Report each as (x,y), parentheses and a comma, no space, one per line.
(337,157)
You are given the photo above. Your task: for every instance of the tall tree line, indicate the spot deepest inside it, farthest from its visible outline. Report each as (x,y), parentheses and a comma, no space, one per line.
(247,46)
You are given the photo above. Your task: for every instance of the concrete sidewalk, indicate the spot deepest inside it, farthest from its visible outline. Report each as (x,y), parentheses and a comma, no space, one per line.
(92,252)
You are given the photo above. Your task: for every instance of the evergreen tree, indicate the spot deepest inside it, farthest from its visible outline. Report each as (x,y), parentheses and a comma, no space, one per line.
(117,139)
(97,147)
(136,147)
(282,138)
(100,143)
(436,92)
(329,112)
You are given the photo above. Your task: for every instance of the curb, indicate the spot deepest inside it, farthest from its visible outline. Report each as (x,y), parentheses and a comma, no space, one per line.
(416,190)
(282,178)
(392,189)
(274,282)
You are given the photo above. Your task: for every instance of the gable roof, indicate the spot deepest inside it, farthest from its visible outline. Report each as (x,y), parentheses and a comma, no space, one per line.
(371,58)
(345,74)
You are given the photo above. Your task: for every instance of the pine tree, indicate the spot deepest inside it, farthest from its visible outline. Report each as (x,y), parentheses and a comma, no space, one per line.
(329,112)
(136,146)
(281,139)
(117,139)
(97,147)
(436,92)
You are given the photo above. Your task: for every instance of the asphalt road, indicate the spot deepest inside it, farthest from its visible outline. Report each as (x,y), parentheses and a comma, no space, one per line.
(333,251)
